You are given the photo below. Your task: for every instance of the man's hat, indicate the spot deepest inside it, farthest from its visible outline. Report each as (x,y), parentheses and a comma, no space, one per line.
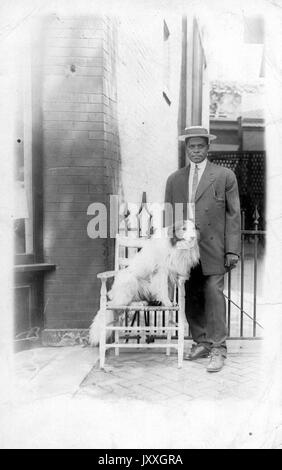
(196,131)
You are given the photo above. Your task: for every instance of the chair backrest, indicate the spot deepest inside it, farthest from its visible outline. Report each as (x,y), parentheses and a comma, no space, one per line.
(128,242)
(125,248)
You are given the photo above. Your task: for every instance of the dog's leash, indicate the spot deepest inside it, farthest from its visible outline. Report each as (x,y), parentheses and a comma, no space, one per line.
(243,311)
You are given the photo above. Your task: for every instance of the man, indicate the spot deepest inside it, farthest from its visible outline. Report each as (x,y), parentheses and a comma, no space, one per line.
(210,196)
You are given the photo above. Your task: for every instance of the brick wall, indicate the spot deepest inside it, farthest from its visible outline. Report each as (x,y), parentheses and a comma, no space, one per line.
(76,165)
(107,130)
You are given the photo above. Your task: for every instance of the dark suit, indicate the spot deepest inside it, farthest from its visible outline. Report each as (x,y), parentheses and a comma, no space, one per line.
(217,217)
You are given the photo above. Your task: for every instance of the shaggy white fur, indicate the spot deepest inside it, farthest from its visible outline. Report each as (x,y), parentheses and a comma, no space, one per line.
(151,272)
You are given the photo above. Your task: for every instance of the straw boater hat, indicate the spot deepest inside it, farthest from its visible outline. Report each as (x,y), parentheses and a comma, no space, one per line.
(196,131)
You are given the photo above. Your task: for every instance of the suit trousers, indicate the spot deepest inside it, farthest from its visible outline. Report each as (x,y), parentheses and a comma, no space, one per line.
(206,308)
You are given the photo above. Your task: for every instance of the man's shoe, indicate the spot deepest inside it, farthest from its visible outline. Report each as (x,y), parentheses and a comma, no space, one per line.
(216,361)
(197,351)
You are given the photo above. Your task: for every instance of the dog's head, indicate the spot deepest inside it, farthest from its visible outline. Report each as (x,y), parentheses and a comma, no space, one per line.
(183,235)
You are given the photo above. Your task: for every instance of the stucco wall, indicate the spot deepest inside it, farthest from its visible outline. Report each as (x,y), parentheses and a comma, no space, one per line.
(147,124)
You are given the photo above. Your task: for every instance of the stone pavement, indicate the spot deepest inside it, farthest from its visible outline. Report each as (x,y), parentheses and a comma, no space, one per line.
(60,399)
(154,377)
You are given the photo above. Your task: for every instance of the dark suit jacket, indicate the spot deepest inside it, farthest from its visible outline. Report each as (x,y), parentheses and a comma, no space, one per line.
(217,212)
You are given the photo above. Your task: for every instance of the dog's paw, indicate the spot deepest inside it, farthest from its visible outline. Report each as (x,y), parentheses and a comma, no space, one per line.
(139,303)
(166,302)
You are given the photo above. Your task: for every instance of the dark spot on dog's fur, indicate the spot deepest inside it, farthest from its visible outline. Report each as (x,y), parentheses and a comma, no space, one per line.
(155,303)
(172,233)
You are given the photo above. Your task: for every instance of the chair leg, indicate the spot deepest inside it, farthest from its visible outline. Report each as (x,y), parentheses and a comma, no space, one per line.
(102,346)
(102,353)
(180,340)
(168,333)
(180,349)
(181,322)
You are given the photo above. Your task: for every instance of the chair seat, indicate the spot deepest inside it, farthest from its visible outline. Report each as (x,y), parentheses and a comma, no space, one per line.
(146,308)
(150,326)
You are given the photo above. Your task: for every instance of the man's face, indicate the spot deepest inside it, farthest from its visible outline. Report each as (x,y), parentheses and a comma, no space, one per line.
(197,149)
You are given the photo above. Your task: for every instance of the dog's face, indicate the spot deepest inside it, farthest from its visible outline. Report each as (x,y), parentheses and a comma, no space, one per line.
(184,235)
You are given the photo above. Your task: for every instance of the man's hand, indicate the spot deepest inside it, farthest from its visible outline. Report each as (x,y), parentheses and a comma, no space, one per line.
(231,260)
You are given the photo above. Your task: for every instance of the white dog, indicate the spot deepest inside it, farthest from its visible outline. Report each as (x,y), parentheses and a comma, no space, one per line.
(152,271)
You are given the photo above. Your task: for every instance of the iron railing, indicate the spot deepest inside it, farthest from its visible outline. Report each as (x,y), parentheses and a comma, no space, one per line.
(237,313)
(258,236)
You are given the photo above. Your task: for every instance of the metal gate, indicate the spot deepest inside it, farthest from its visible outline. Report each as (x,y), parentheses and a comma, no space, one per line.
(244,312)
(241,289)
(249,168)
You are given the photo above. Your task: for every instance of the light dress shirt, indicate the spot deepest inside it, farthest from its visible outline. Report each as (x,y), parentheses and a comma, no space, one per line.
(201,168)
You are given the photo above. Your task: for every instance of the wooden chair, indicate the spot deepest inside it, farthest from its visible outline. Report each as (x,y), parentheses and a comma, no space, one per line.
(168,321)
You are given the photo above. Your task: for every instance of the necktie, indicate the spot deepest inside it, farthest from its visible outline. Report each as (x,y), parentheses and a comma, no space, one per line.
(195,183)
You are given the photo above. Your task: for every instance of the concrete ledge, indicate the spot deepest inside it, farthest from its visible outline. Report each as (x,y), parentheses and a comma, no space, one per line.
(65,337)
(80,336)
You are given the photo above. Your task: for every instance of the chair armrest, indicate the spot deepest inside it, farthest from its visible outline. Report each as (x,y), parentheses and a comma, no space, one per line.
(181,281)
(107,274)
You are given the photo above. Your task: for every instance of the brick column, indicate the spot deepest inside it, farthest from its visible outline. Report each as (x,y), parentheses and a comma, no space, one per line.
(80,164)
